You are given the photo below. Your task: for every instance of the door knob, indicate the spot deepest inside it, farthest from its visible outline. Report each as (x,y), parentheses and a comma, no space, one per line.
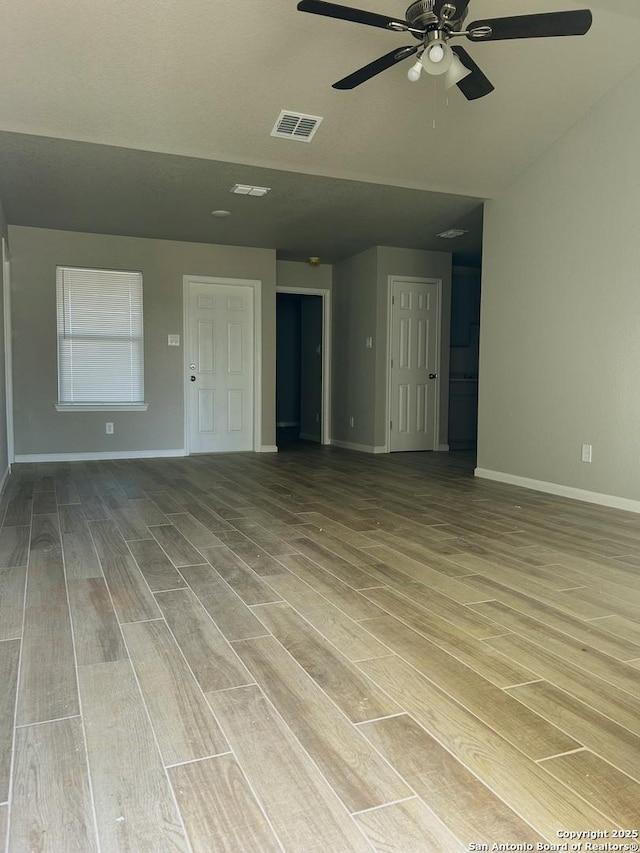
(193,378)
(433,376)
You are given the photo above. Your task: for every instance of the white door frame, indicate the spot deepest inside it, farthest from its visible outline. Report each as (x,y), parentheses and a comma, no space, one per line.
(325,415)
(8,369)
(257,349)
(413,280)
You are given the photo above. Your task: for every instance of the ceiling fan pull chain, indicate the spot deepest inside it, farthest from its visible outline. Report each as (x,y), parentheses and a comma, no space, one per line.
(435,102)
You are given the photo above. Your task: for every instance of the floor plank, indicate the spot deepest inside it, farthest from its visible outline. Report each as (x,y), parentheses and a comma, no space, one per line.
(132,599)
(180,716)
(80,556)
(620,674)
(470,809)
(351,639)
(134,804)
(589,633)
(12,589)
(597,781)
(96,631)
(597,732)
(408,827)
(213,662)
(304,811)
(421,572)
(14,547)
(617,704)
(51,807)
(9,657)
(194,531)
(355,771)
(520,782)
(178,549)
(353,576)
(219,809)
(353,693)
(355,605)
(246,583)
(158,570)
(444,607)
(496,668)
(515,724)
(230,614)
(47,689)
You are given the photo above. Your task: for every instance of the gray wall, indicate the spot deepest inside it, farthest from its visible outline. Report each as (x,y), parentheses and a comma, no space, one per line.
(560,322)
(299,274)
(3,221)
(4,454)
(35,253)
(353,381)
(360,309)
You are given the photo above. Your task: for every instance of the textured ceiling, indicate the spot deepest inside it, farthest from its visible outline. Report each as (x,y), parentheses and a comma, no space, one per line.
(204,80)
(78,186)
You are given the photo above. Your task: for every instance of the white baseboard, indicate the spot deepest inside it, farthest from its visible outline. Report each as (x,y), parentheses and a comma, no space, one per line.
(361,448)
(557,489)
(442,448)
(94,456)
(268,448)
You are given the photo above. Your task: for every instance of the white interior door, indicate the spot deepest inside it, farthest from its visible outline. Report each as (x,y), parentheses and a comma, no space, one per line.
(413,382)
(220,381)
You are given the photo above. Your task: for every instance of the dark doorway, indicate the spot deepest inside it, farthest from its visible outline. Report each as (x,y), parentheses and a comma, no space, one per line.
(299,321)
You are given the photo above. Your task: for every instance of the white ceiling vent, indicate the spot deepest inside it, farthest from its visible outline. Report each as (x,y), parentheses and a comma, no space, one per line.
(290,125)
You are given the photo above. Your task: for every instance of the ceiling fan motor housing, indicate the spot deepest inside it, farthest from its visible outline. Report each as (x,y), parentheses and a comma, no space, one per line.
(421,15)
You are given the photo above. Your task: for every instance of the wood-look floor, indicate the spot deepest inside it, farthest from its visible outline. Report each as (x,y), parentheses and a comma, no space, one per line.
(312,651)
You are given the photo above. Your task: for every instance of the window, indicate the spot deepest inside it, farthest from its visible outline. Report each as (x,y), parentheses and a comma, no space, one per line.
(100,345)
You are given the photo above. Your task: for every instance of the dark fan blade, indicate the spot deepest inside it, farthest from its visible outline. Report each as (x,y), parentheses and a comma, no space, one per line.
(575,23)
(375,67)
(346,13)
(476,85)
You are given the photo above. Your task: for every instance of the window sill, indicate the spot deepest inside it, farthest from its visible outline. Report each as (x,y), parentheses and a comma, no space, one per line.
(101,407)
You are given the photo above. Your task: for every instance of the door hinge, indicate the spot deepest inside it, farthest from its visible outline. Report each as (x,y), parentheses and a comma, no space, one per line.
(392,363)
(390,424)
(393,300)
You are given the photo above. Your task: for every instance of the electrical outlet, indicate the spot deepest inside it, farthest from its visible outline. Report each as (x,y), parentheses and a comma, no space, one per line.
(109,428)
(351,421)
(586,453)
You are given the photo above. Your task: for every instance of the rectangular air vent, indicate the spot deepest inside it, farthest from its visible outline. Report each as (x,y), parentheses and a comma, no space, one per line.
(249,189)
(290,125)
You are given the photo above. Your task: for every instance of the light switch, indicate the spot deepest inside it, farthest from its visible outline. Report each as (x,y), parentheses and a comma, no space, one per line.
(368,342)
(173,340)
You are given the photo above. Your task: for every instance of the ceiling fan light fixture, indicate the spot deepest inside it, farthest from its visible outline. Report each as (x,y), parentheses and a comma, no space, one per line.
(415,71)
(455,72)
(437,57)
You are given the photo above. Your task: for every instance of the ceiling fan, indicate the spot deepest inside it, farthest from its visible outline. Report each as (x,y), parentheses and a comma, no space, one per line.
(433,23)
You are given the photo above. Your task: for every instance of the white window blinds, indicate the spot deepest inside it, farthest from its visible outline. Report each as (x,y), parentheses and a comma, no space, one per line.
(100,347)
